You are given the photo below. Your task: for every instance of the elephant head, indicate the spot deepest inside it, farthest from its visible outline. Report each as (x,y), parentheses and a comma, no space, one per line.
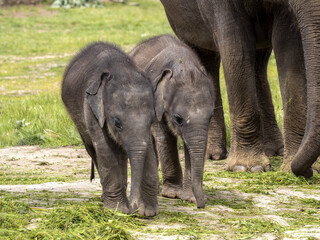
(122,103)
(184,98)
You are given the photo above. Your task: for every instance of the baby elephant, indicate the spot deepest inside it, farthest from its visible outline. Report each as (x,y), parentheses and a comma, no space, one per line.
(184,106)
(111,103)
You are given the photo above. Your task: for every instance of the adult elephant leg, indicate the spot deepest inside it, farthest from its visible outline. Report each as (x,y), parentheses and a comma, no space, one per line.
(308,16)
(237,50)
(272,137)
(167,153)
(291,70)
(216,147)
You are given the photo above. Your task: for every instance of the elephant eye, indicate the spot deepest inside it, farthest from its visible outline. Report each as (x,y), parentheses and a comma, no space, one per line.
(177,119)
(117,123)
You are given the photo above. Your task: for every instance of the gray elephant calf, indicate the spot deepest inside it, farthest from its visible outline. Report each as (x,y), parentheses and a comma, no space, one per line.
(111,103)
(184,106)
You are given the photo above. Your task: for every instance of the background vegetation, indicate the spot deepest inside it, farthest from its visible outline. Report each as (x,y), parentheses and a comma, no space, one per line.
(36,43)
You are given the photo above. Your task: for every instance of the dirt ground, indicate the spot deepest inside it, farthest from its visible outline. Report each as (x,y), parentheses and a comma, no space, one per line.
(75,164)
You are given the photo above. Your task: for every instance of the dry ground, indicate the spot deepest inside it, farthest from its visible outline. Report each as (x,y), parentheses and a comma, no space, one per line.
(74,165)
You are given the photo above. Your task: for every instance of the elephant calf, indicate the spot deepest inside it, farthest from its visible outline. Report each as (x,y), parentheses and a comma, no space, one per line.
(184,101)
(111,103)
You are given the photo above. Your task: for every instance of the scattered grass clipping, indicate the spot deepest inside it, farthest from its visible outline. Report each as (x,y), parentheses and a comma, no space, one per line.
(78,221)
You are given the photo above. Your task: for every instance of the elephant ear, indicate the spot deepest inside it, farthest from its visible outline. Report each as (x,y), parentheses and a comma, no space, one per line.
(203,70)
(95,97)
(159,88)
(159,71)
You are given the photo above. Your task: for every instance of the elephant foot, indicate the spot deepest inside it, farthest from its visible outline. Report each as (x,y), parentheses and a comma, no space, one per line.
(122,205)
(171,191)
(187,195)
(148,210)
(316,166)
(273,149)
(216,153)
(286,164)
(246,162)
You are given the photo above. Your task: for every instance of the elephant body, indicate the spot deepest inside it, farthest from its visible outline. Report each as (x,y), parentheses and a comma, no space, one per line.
(184,105)
(111,103)
(241,34)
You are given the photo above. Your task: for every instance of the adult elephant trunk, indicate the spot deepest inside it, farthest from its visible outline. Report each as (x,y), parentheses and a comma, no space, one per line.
(196,142)
(137,155)
(308,16)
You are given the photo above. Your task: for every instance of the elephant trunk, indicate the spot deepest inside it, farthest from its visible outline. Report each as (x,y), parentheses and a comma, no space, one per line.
(137,156)
(196,143)
(308,16)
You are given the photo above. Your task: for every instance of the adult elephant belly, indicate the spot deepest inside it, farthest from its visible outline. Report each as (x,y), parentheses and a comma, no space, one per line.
(195,26)
(187,23)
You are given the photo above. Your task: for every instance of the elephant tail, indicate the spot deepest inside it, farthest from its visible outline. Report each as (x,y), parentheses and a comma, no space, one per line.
(92,171)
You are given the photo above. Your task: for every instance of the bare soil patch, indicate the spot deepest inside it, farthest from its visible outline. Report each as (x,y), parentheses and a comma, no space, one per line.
(59,161)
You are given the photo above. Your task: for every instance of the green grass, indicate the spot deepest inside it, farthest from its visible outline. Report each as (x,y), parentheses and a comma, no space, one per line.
(38,43)
(34,31)
(78,221)
(36,120)
(31,177)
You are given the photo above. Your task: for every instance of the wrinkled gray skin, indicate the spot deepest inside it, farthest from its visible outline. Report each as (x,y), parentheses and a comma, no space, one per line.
(241,34)
(184,101)
(111,103)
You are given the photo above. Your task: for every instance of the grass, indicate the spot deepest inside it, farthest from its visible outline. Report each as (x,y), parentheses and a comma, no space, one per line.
(36,120)
(38,43)
(55,31)
(31,177)
(78,221)
(231,213)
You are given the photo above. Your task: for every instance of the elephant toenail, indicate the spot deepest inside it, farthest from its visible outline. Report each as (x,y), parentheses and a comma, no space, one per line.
(270,153)
(280,151)
(256,169)
(239,168)
(268,168)
(216,157)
